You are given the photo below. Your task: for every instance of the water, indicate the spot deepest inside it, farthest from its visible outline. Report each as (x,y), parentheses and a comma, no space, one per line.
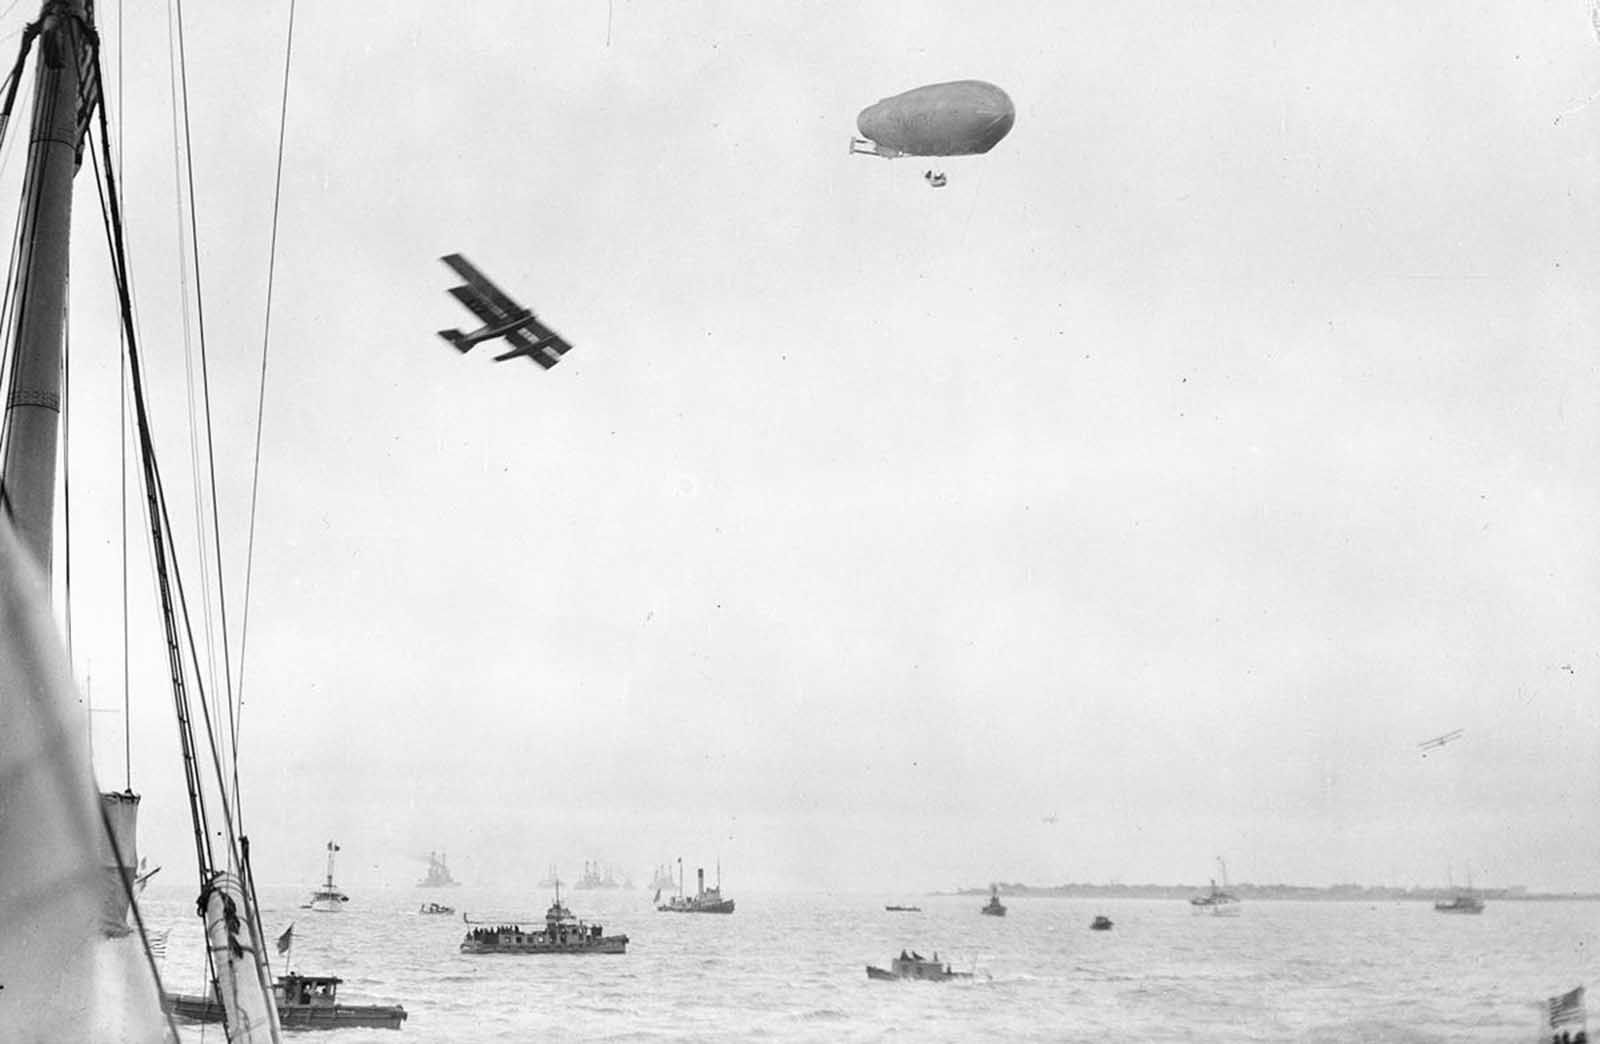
(792,968)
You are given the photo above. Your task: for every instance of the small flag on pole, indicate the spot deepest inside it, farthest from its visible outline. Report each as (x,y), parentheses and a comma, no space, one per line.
(286,940)
(157,942)
(1567,1009)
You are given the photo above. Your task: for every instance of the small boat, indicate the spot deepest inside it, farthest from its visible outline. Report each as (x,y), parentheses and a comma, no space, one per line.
(994,907)
(1101,923)
(562,933)
(903,909)
(705,900)
(435,908)
(327,899)
(1466,902)
(915,966)
(438,875)
(1218,902)
(305,1002)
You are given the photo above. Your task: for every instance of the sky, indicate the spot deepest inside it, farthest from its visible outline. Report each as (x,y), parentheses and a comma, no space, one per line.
(1224,433)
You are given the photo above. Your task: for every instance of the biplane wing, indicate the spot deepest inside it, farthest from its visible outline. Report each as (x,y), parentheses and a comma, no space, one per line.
(1439,741)
(481,284)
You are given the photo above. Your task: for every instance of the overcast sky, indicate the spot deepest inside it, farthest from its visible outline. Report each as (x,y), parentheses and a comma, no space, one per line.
(1223,434)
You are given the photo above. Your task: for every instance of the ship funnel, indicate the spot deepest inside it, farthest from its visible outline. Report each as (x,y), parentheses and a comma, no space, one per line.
(700,879)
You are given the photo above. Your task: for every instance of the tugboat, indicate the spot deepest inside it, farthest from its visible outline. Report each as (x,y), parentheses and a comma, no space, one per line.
(915,966)
(994,907)
(438,875)
(305,1002)
(1101,923)
(705,900)
(903,909)
(562,933)
(327,899)
(435,908)
(1218,902)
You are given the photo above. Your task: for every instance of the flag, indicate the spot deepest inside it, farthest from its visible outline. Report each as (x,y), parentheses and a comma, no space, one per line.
(157,943)
(286,940)
(1567,1009)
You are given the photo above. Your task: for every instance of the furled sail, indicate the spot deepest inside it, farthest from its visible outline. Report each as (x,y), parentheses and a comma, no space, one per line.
(63,978)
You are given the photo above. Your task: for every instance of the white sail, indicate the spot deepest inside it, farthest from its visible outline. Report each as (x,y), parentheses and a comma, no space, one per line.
(63,979)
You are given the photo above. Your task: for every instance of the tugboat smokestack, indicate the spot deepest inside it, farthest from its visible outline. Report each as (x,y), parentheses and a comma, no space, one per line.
(700,880)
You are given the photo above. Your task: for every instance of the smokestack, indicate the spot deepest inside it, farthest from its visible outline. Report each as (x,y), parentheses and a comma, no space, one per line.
(700,878)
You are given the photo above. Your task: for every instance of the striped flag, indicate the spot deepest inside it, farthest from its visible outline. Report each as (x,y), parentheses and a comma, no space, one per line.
(286,940)
(1567,1009)
(157,943)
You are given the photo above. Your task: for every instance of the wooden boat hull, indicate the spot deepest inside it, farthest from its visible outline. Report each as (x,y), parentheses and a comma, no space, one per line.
(608,945)
(297,1016)
(724,907)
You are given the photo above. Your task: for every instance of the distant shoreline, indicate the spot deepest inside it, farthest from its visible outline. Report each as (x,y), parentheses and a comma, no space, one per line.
(1331,893)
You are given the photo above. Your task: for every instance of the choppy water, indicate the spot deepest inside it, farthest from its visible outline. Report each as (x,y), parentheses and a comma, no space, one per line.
(792,967)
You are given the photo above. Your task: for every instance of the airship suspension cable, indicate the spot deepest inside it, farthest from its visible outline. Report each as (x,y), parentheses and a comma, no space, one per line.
(205,379)
(261,398)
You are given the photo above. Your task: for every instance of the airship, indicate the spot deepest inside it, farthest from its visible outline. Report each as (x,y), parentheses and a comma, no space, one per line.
(961,118)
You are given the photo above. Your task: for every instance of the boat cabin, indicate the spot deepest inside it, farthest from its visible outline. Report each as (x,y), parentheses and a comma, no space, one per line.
(307,990)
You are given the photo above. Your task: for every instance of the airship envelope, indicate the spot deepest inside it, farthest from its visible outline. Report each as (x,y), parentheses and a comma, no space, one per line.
(962,118)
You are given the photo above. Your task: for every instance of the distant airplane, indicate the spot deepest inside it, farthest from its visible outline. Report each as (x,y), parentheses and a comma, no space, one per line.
(1439,741)
(502,317)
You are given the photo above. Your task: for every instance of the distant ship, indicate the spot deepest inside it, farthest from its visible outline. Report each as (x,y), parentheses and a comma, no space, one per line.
(551,878)
(593,878)
(1218,902)
(438,875)
(562,933)
(915,966)
(435,908)
(1466,902)
(1101,923)
(327,899)
(705,900)
(903,909)
(662,878)
(994,907)
(305,1002)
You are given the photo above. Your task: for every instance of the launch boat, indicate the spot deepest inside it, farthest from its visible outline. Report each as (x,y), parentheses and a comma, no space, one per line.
(562,933)
(305,1002)
(994,907)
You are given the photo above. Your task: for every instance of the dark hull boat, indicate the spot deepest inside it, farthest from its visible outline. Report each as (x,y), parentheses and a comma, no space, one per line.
(903,909)
(305,1002)
(1101,923)
(916,967)
(994,907)
(705,900)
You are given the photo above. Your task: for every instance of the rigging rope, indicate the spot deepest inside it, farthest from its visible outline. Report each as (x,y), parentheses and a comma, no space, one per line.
(261,398)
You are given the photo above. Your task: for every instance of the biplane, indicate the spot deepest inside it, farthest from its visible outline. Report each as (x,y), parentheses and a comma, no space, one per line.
(501,317)
(1439,741)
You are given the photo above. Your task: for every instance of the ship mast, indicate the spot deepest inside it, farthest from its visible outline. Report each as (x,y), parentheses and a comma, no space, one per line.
(38,315)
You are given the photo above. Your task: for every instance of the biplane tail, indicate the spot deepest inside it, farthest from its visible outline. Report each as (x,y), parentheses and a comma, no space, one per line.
(462,343)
